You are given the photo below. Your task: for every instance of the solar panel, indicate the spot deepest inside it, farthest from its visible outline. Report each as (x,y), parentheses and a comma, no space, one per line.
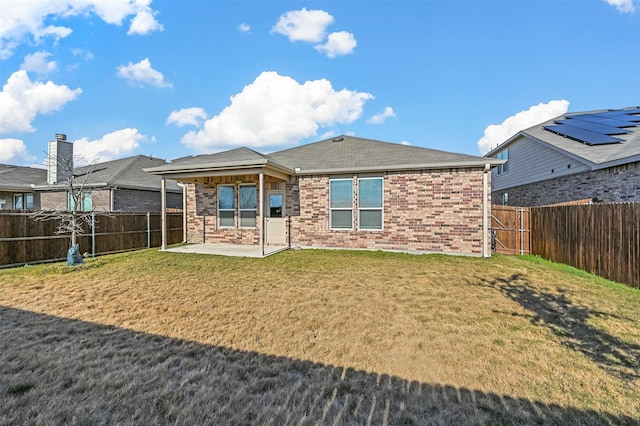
(582,135)
(600,119)
(593,126)
(621,116)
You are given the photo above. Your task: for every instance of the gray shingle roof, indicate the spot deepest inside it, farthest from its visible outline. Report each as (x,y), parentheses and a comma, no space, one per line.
(123,173)
(342,154)
(598,156)
(348,153)
(17,178)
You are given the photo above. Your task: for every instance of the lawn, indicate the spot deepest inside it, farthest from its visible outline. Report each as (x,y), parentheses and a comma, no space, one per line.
(308,337)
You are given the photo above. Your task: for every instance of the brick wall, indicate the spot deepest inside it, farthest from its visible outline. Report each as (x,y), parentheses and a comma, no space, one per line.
(132,200)
(58,200)
(202,211)
(615,184)
(429,211)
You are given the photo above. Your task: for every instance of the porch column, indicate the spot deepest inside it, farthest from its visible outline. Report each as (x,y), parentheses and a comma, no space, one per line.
(163,206)
(261,210)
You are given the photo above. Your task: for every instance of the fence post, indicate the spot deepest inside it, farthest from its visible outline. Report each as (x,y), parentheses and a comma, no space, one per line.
(93,234)
(148,229)
(521,231)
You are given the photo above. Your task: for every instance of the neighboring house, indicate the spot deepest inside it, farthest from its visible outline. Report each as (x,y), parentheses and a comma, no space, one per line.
(16,192)
(118,185)
(344,192)
(584,155)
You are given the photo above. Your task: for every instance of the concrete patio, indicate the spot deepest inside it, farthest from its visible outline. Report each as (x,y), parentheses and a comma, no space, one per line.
(228,249)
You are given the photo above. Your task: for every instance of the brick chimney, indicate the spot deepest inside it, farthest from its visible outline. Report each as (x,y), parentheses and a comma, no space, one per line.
(60,159)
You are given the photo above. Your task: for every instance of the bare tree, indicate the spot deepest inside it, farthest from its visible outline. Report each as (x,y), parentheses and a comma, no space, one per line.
(77,185)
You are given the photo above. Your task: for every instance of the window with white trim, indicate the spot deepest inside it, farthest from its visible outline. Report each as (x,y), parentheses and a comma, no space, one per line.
(248,205)
(503,155)
(226,206)
(370,194)
(341,203)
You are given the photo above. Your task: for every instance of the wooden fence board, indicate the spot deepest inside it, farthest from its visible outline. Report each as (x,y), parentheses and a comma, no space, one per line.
(603,239)
(24,240)
(510,229)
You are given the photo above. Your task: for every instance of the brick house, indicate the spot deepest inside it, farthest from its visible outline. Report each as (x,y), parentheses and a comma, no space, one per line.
(116,186)
(585,155)
(16,192)
(344,192)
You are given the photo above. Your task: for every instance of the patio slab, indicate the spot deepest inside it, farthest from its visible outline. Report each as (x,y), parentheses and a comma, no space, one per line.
(236,250)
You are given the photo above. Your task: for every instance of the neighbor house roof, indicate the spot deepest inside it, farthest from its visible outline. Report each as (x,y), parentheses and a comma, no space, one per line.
(341,154)
(125,173)
(17,178)
(597,156)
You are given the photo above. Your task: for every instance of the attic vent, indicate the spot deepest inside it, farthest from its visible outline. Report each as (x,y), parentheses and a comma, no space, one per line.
(338,139)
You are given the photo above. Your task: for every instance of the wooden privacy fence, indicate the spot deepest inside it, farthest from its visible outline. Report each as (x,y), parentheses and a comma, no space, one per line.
(510,230)
(603,239)
(24,240)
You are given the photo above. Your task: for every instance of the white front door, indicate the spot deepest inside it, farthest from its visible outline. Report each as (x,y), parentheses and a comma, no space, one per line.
(276,229)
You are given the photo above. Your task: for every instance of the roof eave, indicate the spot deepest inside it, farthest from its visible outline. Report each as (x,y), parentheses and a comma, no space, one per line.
(172,169)
(404,167)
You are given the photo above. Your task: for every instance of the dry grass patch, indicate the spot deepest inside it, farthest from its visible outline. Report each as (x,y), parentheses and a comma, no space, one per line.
(307,336)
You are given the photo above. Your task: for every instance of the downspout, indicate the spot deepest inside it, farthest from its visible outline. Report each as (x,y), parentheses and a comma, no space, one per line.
(113,200)
(163,206)
(485,211)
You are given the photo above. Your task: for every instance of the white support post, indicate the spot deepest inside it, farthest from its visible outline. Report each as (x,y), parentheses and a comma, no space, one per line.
(261,210)
(486,248)
(163,204)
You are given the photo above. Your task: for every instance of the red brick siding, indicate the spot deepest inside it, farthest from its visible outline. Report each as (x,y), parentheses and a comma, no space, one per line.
(430,211)
(425,211)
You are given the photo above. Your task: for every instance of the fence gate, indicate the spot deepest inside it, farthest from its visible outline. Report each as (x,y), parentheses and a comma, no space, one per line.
(510,231)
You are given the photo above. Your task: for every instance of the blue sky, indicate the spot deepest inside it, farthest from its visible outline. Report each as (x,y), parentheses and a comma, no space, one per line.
(171,78)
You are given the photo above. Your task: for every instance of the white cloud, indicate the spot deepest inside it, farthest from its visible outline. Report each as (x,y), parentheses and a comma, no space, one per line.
(407,143)
(244,28)
(110,147)
(624,6)
(275,111)
(144,22)
(11,148)
(495,134)
(142,73)
(381,117)
(187,116)
(22,99)
(304,25)
(37,62)
(338,44)
(24,21)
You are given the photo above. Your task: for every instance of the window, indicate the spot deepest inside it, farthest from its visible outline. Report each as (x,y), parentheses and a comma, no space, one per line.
(28,201)
(226,206)
(86,202)
(505,199)
(503,155)
(3,204)
(18,202)
(248,206)
(370,203)
(341,204)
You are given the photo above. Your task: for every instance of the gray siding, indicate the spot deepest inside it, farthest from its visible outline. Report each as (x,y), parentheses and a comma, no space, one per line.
(531,161)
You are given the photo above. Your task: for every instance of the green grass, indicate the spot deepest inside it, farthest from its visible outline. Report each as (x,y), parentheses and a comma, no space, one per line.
(306,337)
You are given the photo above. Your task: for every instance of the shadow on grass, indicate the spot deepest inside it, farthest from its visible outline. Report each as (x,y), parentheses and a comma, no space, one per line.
(570,322)
(60,371)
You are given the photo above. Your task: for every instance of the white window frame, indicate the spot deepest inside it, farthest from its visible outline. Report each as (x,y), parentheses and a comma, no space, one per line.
(240,210)
(381,208)
(332,209)
(233,209)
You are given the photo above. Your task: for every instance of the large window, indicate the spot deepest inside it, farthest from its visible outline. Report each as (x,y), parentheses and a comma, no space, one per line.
(503,155)
(370,203)
(341,204)
(226,206)
(248,206)
(86,201)
(23,201)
